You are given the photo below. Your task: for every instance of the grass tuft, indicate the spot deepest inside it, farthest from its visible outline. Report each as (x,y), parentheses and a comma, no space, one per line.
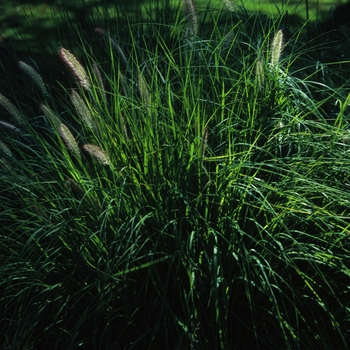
(191,193)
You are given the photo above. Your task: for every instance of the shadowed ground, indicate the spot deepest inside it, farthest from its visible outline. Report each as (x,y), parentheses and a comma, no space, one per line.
(15,24)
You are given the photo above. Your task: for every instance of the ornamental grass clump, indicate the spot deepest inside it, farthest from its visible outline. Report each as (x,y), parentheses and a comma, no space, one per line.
(179,196)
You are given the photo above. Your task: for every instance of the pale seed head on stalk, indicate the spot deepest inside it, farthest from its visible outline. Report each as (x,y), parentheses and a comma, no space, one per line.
(204,141)
(144,92)
(122,81)
(80,193)
(124,127)
(276,48)
(77,69)
(114,44)
(9,126)
(98,76)
(5,149)
(14,112)
(34,75)
(69,140)
(82,109)
(260,74)
(227,42)
(98,153)
(345,136)
(76,188)
(191,14)
(4,163)
(230,5)
(51,115)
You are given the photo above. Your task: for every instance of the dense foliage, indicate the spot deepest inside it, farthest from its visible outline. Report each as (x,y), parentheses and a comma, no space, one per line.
(178,185)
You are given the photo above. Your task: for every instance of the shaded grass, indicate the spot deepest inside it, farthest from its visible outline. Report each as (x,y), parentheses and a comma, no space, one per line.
(219,219)
(18,33)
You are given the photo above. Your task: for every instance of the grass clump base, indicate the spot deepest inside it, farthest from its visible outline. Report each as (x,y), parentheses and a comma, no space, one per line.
(184,189)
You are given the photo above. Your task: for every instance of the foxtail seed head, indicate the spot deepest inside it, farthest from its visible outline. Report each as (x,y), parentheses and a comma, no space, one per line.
(9,126)
(230,5)
(124,126)
(5,165)
(259,69)
(77,69)
(14,112)
(34,75)
(98,153)
(144,92)
(69,140)
(99,79)
(276,48)
(204,141)
(51,115)
(191,14)
(114,44)
(5,149)
(82,109)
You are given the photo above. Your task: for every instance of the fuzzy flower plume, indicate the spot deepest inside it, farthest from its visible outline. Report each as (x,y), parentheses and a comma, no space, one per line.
(69,140)
(5,149)
(34,75)
(9,126)
(82,109)
(276,48)
(259,69)
(204,141)
(11,109)
(77,69)
(230,5)
(99,79)
(191,14)
(51,115)
(144,92)
(100,31)
(98,153)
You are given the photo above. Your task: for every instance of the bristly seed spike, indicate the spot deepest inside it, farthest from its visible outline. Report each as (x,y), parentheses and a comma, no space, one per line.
(77,69)
(35,76)
(69,140)
(276,48)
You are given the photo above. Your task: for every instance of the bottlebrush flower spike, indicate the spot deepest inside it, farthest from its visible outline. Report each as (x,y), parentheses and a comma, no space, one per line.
(51,115)
(5,149)
(99,79)
(204,141)
(34,75)
(83,110)
(276,48)
(69,140)
(116,47)
(14,112)
(77,69)
(9,126)
(98,153)
(190,12)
